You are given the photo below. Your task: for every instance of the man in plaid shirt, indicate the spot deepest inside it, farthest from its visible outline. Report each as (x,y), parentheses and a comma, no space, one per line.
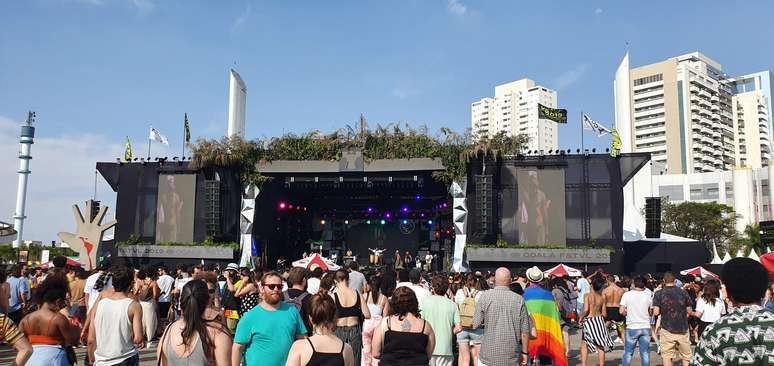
(506,324)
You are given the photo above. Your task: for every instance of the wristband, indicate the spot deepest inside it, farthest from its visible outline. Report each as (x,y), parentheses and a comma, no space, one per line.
(525,353)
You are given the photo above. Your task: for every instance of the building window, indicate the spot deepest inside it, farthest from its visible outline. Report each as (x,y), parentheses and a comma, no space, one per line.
(648,79)
(672,192)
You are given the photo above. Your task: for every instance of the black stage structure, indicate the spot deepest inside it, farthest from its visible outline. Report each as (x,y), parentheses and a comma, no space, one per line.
(397,205)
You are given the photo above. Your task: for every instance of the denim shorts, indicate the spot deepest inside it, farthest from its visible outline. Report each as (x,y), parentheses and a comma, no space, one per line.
(470,336)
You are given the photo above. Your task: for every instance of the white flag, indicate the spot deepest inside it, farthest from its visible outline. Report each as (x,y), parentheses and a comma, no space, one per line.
(155,135)
(590,124)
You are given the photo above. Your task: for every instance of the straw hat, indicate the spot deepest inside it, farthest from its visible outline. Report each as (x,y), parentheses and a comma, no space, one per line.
(534,274)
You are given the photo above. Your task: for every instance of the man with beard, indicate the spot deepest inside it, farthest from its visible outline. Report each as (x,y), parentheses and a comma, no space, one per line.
(266,333)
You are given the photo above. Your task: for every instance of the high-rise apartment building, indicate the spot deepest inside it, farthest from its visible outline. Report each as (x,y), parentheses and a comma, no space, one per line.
(514,111)
(692,118)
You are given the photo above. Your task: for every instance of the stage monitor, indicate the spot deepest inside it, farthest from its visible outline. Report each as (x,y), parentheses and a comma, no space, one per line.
(540,213)
(175,208)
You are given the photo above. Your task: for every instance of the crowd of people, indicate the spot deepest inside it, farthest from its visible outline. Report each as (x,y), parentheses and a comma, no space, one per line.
(381,316)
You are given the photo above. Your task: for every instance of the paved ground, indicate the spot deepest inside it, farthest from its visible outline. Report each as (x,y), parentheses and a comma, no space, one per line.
(148,356)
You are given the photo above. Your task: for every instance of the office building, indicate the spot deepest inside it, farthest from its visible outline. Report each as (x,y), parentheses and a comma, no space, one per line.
(513,110)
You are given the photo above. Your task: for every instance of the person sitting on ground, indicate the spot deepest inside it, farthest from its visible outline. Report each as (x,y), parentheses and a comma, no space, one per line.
(47,329)
(403,338)
(193,339)
(741,337)
(351,309)
(322,348)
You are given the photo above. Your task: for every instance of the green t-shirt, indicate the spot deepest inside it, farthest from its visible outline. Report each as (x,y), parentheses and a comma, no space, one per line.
(442,314)
(268,335)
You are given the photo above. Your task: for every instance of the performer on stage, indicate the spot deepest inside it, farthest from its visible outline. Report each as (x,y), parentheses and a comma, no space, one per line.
(376,255)
(398,260)
(280,264)
(428,261)
(408,259)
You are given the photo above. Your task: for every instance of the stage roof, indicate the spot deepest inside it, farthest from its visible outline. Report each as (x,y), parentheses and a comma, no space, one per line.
(350,165)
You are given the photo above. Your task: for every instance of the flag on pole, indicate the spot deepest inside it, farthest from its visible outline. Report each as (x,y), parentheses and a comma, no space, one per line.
(553,114)
(128,150)
(590,124)
(156,136)
(187,130)
(615,145)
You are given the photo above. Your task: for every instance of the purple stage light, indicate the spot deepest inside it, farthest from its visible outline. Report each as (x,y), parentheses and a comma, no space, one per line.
(422,214)
(282,205)
(388,215)
(418,197)
(405,209)
(370,210)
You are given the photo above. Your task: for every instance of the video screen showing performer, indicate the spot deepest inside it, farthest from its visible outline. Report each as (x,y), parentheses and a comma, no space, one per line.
(175,208)
(540,211)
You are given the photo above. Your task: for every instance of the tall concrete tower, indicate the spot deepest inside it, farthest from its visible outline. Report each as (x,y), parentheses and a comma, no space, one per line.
(237,98)
(27,135)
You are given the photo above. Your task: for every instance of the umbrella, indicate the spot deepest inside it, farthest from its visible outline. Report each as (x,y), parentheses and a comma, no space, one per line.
(316,260)
(698,272)
(768,261)
(70,262)
(563,270)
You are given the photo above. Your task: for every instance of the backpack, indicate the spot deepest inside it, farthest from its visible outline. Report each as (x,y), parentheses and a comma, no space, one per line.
(468,309)
(565,304)
(298,301)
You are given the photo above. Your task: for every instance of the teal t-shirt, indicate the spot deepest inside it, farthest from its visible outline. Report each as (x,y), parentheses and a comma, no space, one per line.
(268,335)
(442,314)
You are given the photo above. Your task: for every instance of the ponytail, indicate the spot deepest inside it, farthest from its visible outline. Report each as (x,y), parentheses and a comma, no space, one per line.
(193,301)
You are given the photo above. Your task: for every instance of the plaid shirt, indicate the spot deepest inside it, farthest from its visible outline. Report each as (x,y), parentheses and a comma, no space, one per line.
(504,317)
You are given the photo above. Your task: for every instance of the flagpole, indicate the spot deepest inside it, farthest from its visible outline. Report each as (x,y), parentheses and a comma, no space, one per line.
(583,147)
(149,143)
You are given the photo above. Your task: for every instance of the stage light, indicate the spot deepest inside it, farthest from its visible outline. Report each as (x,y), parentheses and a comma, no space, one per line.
(445,205)
(418,198)
(594,150)
(368,222)
(577,151)
(405,221)
(387,216)
(370,210)
(304,208)
(382,222)
(322,222)
(405,209)
(346,222)
(422,215)
(429,222)
(298,208)
(282,205)
(290,207)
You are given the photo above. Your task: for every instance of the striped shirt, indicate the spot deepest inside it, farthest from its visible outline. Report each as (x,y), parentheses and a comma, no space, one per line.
(505,318)
(9,333)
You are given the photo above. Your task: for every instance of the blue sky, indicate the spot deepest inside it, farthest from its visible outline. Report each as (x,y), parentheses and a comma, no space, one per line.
(99,70)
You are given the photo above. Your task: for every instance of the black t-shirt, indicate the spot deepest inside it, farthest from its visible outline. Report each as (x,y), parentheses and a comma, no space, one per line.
(293,293)
(672,303)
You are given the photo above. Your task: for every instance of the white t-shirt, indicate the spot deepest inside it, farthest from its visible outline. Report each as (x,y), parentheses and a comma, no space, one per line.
(88,288)
(165,283)
(459,296)
(637,304)
(313,285)
(420,292)
(710,313)
(583,288)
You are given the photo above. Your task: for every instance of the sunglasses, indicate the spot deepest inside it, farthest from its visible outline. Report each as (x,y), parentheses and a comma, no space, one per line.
(274,286)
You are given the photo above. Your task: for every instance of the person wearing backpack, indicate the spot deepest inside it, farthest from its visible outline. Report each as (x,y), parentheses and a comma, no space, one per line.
(469,339)
(297,296)
(566,309)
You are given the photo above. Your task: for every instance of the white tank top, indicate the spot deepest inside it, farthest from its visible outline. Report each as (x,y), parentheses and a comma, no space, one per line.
(114,332)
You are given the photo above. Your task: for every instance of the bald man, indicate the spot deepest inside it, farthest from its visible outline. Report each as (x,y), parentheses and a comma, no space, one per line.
(506,335)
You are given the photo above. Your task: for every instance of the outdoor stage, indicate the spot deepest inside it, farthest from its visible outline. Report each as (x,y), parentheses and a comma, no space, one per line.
(516,211)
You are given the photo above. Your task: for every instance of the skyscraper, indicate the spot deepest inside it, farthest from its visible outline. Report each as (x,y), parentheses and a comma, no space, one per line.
(514,111)
(693,118)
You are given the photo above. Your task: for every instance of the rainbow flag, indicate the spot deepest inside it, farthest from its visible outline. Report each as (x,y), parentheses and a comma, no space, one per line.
(545,314)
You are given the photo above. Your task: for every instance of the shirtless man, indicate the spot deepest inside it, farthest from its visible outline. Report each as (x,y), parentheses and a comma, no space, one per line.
(592,319)
(612,295)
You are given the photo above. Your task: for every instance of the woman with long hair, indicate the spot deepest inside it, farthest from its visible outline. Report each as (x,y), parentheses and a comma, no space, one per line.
(351,309)
(48,330)
(247,293)
(592,319)
(146,291)
(323,348)
(192,339)
(709,307)
(469,339)
(403,337)
(376,302)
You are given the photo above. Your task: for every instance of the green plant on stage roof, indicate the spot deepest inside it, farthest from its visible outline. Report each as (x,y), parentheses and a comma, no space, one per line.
(208,242)
(388,142)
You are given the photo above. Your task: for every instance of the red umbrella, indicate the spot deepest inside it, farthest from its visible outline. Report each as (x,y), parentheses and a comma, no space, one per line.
(70,262)
(768,261)
(562,270)
(698,272)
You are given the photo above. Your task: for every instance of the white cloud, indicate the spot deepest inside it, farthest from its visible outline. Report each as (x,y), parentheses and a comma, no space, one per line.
(62,174)
(241,19)
(570,77)
(144,6)
(598,11)
(457,8)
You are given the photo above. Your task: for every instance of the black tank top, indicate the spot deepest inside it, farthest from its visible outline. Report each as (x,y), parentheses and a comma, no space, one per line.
(404,348)
(353,310)
(326,359)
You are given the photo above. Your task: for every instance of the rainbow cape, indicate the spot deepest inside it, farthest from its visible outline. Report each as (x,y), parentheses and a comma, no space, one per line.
(544,312)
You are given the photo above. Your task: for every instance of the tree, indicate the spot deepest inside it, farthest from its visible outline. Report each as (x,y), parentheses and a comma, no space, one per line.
(708,222)
(749,239)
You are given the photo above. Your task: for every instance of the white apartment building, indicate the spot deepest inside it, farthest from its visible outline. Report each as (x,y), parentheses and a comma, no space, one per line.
(514,111)
(692,118)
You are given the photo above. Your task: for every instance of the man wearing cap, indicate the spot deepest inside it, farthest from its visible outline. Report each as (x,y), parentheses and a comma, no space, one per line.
(549,343)
(507,324)
(230,302)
